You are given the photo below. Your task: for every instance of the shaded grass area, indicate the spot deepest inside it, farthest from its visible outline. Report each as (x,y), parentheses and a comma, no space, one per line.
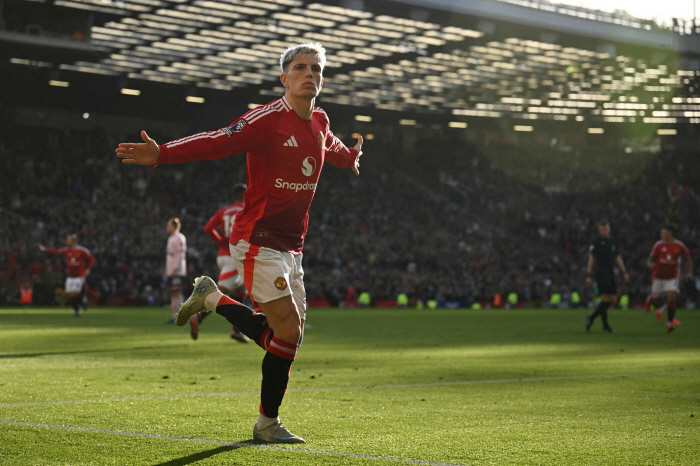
(378,383)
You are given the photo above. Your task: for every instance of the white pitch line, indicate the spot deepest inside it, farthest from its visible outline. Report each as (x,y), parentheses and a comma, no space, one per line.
(228,444)
(372,387)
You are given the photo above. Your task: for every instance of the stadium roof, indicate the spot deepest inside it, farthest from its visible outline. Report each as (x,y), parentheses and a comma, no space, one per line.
(380,60)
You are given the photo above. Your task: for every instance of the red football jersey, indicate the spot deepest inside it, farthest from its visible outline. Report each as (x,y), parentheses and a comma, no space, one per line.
(666,257)
(285,156)
(224,218)
(75,259)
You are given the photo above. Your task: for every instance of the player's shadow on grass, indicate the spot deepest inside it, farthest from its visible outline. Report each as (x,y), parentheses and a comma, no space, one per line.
(201,455)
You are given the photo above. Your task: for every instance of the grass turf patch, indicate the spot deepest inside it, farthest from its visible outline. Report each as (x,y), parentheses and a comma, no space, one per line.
(456,387)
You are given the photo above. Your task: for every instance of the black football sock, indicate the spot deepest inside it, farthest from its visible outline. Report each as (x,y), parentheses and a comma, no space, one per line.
(276,367)
(203,316)
(252,324)
(75,302)
(601,310)
(604,315)
(671,312)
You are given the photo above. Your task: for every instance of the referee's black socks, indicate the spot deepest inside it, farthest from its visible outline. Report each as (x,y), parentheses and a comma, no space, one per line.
(602,311)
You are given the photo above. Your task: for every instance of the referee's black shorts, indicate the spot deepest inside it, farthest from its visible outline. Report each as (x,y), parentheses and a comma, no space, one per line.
(605,283)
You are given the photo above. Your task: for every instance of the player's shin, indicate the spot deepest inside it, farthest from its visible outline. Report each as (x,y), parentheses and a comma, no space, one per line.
(671,312)
(276,368)
(251,324)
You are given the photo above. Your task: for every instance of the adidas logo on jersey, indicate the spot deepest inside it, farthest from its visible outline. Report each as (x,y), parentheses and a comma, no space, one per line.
(291,142)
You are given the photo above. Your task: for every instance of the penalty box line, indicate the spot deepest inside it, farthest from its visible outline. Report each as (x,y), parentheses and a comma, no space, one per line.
(368,387)
(227,444)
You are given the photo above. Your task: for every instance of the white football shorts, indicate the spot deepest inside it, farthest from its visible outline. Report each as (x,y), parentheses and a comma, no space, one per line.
(74,284)
(661,286)
(268,274)
(229,277)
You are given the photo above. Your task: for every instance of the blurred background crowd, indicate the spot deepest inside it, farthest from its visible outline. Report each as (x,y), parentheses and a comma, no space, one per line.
(440,219)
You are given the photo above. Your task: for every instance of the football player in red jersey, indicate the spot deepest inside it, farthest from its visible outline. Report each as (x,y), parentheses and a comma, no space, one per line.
(76,256)
(287,143)
(230,282)
(664,261)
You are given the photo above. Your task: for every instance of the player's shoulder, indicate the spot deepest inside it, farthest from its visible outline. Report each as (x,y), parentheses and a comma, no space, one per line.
(83,249)
(266,114)
(236,206)
(657,245)
(681,244)
(321,115)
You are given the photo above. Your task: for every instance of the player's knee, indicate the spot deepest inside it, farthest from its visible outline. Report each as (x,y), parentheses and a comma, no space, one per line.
(289,328)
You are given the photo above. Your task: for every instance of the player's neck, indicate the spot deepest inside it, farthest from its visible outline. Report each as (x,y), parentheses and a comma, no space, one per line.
(301,105)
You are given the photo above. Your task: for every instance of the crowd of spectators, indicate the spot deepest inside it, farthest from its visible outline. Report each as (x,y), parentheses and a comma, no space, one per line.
(456,228)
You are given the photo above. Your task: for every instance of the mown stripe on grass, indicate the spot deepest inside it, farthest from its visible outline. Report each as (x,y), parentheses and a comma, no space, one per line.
(369,387)
(228,444)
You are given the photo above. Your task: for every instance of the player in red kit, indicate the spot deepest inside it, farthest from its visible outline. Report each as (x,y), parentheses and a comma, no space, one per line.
(287,143)
(664,261)
(76,256)
(230,281)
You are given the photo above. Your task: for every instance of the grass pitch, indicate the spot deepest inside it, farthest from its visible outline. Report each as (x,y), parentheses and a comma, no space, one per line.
(369,387)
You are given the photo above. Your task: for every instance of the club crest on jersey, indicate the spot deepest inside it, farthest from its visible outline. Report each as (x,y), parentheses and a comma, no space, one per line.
(281,283)
(320,139)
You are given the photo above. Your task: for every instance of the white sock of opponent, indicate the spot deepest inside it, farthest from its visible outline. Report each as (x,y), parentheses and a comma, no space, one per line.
(175,300)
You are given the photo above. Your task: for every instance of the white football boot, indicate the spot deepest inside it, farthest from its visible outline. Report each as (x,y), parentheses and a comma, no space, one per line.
(203,286)
(276,433)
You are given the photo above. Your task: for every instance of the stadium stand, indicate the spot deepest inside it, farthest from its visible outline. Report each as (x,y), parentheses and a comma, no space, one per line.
(504,132)
(470,231)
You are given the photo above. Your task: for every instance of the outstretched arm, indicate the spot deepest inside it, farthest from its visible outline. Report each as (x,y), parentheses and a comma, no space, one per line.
(145,153)
(238,138)
(339,155)
(50,250)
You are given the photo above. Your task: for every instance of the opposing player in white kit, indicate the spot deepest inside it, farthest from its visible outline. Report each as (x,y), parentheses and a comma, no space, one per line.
(287,143)
(175,265)
(230,282)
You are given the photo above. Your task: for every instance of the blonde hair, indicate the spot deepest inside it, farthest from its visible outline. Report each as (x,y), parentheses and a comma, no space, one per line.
(176,222)
(307,48)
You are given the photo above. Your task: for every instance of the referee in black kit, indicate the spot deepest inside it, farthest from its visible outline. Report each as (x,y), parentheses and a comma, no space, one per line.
(604,255)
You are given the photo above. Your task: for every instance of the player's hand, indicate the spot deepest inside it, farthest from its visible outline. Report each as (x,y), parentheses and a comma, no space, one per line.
(589,280)
(87,273)
(139,154)
(689,276)
(41,247)
(627,277)
(358,148)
